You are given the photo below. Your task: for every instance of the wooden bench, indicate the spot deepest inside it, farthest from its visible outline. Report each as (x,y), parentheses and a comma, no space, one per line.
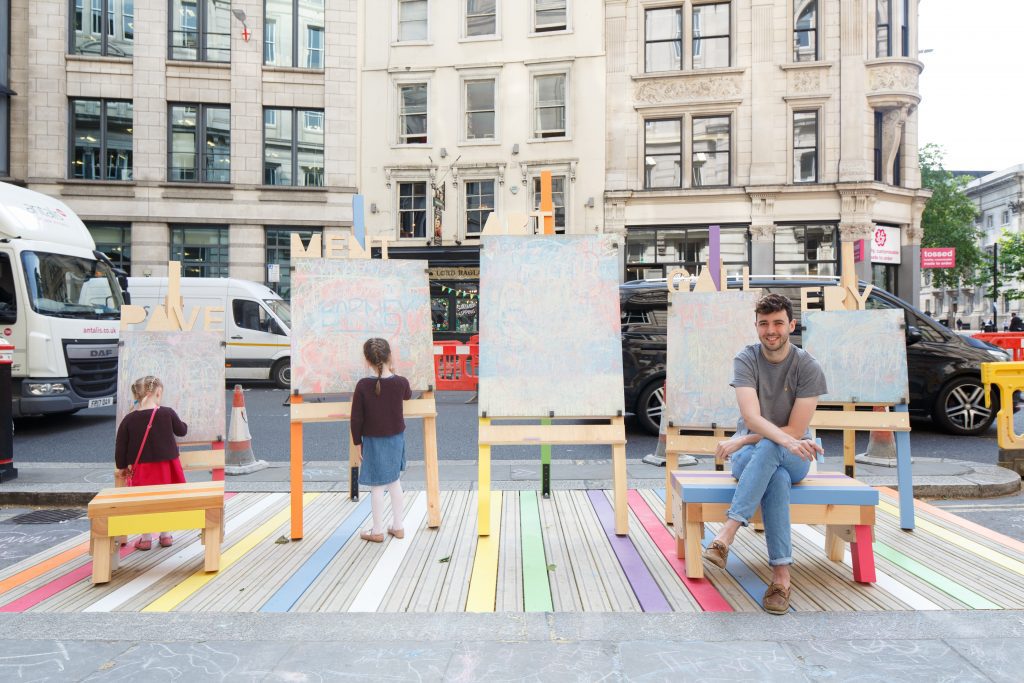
(846,506)
(118,512)
(211,459)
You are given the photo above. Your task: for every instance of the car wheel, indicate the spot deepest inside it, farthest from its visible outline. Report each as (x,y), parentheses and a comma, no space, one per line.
(281,373)
(960,407)
(650,406)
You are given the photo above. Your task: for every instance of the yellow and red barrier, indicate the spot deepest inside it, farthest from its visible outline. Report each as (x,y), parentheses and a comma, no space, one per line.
(1011,341)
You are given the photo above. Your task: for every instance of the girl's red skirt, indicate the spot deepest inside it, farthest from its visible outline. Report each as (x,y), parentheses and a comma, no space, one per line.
(153,473)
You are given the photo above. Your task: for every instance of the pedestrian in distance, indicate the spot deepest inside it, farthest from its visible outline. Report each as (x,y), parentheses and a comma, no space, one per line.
(145,452)
(1016,324)
(378,432)
(959,324)
(777,389)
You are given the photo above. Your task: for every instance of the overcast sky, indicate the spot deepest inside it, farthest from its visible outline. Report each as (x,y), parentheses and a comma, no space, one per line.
(972,88)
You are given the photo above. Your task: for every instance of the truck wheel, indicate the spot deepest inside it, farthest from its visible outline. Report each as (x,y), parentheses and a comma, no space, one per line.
(281,374)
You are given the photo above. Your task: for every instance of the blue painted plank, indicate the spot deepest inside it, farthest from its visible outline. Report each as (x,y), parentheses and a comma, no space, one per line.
(808,495)
(359,219)
(288,594)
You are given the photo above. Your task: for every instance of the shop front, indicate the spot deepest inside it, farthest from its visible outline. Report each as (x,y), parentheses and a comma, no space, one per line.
(653,251)
(454,275)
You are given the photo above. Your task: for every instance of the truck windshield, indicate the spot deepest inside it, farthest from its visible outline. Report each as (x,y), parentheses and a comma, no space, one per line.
(71,287)
(280,308)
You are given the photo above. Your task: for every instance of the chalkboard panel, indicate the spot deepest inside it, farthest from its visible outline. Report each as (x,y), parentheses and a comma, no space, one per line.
(550,327)
(863,354)
(705,332)
(337,304)
(191,367)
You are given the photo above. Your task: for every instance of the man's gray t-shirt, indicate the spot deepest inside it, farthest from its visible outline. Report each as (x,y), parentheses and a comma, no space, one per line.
(778,385)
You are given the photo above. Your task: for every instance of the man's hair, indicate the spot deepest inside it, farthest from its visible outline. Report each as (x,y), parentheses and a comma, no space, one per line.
(773,303)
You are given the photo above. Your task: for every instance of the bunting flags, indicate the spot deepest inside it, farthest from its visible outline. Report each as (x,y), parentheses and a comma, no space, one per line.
(460,293)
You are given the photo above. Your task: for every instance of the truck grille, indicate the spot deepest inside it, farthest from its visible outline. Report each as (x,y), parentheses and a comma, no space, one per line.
(91,376)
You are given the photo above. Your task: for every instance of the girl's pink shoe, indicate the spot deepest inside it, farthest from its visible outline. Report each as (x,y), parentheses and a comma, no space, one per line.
(166,541)
(143,544)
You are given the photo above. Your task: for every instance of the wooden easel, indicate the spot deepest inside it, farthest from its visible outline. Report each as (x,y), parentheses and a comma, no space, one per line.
(895,418)
(170,317)
(611,434)
(695,439)
(318,410)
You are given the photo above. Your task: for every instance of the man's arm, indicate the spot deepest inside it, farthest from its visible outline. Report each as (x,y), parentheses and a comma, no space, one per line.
(788,437)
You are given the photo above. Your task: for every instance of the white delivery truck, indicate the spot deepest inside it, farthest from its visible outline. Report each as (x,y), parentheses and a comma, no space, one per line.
(257,321)
(60,305)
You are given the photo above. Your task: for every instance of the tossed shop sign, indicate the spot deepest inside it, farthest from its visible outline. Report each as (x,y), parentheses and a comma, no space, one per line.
(938,257)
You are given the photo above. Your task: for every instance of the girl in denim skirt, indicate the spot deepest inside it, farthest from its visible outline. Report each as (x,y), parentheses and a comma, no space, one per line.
(378,428)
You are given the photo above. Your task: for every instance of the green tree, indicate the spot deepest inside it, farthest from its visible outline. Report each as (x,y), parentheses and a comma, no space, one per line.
(1011,264)
(948,221)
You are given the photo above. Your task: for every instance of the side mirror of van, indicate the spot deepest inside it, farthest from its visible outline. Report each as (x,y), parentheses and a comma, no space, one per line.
(913,335)
(274,328)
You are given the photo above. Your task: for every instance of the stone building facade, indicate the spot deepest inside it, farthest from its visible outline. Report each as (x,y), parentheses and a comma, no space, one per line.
(205,132)
(792,124)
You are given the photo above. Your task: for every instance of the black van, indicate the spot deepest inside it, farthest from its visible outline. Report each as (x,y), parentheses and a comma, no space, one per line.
(944,367)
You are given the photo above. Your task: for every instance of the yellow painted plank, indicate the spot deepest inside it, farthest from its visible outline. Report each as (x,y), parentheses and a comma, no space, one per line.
(967,544)
(483,583)
(159,521)
(189,586)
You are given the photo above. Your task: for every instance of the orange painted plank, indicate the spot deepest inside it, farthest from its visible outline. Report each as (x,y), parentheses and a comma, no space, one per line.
(32,572)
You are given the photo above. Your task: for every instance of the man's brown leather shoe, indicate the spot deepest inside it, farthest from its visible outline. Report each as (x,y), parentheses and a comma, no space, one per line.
(776,599)
(717,553)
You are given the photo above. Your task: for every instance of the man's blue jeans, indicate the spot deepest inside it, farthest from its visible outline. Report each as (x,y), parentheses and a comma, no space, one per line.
(766,471)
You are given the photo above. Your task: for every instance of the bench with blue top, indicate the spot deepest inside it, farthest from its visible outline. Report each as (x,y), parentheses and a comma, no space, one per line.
(844,505)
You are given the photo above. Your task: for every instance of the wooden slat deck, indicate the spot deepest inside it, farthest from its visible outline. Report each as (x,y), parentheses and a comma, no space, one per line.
(945,563)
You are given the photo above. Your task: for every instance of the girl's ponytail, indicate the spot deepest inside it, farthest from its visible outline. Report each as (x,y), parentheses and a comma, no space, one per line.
(377,352)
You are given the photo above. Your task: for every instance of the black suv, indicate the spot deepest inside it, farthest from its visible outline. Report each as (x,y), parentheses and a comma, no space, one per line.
(944,367)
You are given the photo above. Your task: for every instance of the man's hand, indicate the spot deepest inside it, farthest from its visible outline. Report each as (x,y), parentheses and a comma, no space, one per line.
(725,449)
(805,449)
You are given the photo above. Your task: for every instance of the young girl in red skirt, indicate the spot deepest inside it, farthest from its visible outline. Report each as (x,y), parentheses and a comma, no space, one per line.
(146,450)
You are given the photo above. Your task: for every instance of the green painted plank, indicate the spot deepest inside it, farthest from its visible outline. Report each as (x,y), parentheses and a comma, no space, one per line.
(948,586)
(536,589)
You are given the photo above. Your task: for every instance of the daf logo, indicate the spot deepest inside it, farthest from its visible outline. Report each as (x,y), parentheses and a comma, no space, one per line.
(101,353)
(92,351)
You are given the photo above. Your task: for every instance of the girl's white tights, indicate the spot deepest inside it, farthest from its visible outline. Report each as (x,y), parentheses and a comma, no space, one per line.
(394,490)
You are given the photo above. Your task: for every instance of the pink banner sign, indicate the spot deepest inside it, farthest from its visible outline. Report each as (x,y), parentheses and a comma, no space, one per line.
(938,257)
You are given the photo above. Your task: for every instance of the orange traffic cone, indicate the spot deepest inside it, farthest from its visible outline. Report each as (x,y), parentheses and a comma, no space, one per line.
(239,459)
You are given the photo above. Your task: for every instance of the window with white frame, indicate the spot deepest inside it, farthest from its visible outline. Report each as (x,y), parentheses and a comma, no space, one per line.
(480,109)
(412,209)
(314,47)
(549,103)
(481,18)
(663,39)
(711,143)
(805,146)
(990,220)
(805,30)
(550,15)
(479,204)
(412,114)
(1006,218)
(558,188)
(711,36)
(663,153)
(412,20)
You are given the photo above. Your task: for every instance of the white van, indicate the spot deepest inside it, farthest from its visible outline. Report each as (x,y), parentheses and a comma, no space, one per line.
(257,321)
(60,305)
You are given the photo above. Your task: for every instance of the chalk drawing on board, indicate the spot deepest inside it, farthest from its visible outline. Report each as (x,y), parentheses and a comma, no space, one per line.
(337,304)
(705,332)
(191,367)
(863,354)
(550,327)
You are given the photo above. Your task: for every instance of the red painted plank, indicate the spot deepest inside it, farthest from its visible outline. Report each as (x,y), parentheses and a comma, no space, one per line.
(702,590)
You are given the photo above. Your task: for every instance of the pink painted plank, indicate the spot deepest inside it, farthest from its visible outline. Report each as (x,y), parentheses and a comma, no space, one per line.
(702,590)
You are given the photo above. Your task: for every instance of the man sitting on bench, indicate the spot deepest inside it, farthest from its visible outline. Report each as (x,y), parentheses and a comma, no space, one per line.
(777,389)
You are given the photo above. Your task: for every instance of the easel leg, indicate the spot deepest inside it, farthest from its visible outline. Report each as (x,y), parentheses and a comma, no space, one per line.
(545,466)
(296,475)
(483,493)
(849,447)
(619,483)
(904,475)
(671,460)
(430,466)
(863,555)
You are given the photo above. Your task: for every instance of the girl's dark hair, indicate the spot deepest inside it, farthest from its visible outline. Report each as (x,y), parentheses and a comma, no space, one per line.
(378,353)
(773,303)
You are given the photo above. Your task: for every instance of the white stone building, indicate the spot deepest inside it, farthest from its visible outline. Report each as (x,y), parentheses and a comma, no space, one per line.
(999,197)
(791,124)
(200,131)
(464,103)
